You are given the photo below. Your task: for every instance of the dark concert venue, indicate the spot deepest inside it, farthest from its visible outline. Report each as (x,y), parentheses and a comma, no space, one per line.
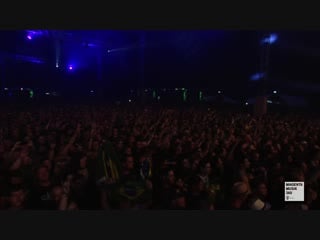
(159,120)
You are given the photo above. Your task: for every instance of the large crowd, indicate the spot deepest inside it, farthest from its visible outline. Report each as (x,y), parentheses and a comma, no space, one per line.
(59,158)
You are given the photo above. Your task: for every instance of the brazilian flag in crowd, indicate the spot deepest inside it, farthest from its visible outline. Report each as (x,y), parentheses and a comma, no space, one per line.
(134,188)
(108,164)
(109,168)
(108,171)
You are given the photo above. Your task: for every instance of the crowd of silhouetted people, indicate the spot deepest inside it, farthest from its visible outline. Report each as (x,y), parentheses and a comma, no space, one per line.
(224,160)
(52,158)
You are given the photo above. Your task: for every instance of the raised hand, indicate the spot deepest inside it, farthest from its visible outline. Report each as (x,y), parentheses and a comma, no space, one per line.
(66,187)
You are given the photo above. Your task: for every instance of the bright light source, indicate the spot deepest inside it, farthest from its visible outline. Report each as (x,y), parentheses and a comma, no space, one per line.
(274,92)
(21,89)
(47,93)
(57,65)
(270,39)
(269,101)
(92,91)
(273,37)
(6,89)
(219,92)
(176,89)
(247,103)
(129,100)
(108,51)
(70,67)
(29,37)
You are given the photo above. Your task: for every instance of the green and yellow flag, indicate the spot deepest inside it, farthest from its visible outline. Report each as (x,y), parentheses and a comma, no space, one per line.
(108,163)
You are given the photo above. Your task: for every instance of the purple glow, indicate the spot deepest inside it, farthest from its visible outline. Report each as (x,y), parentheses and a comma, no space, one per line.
(29,37)
(28,59)
(70,67)
(271,39)
(257,76)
